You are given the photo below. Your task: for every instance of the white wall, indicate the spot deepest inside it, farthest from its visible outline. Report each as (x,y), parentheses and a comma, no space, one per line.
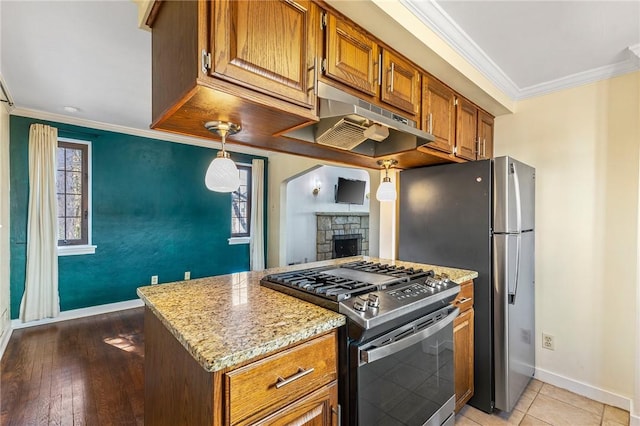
(301,223)
(635,403)
(584,143)
(4,222)
(284,168)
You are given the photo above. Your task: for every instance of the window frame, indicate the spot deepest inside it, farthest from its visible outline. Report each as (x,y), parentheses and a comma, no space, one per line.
(243,237)
(85,245)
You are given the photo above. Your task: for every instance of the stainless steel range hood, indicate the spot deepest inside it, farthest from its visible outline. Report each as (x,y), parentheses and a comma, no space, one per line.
(349,123)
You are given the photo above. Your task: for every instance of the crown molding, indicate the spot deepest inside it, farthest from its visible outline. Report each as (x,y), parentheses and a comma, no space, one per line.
(579,79)
(436,19)
(5,95)
(145,133)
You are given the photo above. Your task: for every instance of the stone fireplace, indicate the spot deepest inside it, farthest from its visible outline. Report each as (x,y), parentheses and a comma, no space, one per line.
(342,234)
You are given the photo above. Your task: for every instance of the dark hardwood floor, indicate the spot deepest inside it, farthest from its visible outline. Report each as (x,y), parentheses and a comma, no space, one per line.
(88,371)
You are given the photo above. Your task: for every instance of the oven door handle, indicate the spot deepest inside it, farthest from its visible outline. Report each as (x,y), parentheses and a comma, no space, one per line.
(367,356)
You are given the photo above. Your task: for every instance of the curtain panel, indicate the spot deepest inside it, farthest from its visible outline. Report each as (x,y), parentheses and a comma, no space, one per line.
(41,298)
(256,245)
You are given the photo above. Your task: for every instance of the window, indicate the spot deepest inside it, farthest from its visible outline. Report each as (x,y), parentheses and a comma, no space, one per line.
(241,205)
(72,181)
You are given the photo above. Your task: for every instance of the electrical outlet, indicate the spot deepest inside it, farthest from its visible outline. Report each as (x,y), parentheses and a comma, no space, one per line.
(154,279)
(187,275)
(547,342)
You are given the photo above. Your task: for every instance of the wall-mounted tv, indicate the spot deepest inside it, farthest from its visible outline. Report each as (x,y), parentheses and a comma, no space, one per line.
(350,191)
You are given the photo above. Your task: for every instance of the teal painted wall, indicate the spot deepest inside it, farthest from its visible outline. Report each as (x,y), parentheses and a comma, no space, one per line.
(152,215)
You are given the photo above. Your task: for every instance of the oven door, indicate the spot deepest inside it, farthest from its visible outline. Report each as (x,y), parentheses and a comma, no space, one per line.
(405,377)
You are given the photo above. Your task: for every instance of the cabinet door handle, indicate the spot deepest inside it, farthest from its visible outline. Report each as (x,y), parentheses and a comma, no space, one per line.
(393,70)
(314,68)
(484,148)
(338,413)
(430,122)
(301,373)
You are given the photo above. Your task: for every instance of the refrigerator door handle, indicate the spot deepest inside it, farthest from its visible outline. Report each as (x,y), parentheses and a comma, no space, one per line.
(512,295)
(516,187)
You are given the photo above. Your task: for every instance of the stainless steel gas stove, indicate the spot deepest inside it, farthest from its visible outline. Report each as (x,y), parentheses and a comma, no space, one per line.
(396,353)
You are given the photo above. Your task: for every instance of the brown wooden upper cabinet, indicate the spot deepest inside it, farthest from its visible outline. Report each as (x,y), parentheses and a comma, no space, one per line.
(400,83)
(439,114)
(268,46)
(352,57)
(466,128)
(256,63)
(355,59)
(485,135)
(474,132)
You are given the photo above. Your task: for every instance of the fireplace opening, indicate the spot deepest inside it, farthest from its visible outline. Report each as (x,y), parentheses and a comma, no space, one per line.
(347,245)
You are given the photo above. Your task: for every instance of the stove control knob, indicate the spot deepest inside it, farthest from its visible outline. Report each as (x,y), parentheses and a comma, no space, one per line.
(360,305)
(374,300)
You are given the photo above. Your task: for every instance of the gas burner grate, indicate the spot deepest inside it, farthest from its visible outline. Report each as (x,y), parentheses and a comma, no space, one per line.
(333,287)
(390,270)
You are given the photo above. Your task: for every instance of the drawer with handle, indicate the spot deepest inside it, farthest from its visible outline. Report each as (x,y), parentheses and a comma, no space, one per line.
(275,381)
(464,299)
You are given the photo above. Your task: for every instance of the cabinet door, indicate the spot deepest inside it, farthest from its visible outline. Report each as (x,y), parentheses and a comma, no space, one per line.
(466,128)
(265,45)
(439,114)
(317,409)
(400,83)
(352,57)
(485,135)
(463,357)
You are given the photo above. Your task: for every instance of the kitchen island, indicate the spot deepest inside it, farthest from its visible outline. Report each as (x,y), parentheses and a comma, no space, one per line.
(214,345)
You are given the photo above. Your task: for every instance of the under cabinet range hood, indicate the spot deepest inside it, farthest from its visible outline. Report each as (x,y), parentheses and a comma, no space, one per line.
(349,123)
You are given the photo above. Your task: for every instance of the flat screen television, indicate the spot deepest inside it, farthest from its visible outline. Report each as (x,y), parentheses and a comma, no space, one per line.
(350,191)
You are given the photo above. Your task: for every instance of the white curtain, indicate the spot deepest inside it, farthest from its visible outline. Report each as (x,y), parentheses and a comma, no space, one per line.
(41,299)
(256,246)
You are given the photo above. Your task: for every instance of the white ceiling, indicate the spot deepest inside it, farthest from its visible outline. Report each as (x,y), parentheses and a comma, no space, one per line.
(528,48)
(87,54)
(91,54)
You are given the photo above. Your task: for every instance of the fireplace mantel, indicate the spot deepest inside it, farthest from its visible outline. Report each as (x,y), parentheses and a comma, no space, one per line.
(342,213)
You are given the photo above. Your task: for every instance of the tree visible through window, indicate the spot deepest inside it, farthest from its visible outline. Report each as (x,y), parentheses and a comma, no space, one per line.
(241,204)
(71,180)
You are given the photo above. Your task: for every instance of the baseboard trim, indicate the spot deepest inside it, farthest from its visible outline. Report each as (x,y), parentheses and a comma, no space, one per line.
(584,389)
(80,313)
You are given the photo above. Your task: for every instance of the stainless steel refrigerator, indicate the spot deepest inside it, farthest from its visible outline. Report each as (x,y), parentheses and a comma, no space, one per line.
(480,216)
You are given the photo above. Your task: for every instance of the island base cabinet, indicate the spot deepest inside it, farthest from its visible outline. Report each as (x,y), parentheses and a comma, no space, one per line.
(179,391)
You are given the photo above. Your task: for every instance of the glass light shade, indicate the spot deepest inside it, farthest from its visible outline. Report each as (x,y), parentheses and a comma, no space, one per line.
(222,175)
(386,191)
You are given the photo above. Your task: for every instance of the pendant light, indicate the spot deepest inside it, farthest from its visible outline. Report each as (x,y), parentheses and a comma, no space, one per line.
(387,189)
(222,174)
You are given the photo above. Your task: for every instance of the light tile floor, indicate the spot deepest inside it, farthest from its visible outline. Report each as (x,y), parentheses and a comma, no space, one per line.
(544,404)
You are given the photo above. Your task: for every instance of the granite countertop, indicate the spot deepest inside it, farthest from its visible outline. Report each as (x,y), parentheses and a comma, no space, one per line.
(225,320)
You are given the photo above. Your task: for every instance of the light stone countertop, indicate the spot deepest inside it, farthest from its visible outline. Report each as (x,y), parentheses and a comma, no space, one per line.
(225,320)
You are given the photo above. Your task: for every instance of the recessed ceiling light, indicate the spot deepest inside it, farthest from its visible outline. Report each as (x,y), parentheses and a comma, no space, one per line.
(70,109)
